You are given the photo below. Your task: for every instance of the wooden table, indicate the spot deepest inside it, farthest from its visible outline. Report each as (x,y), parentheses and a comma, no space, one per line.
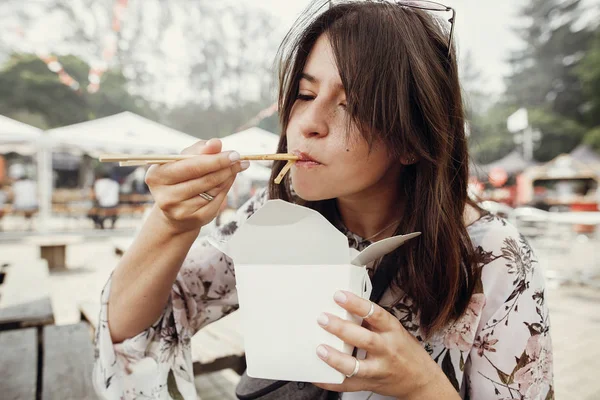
(49,363)
(54,248)
(24,296)
(38,360)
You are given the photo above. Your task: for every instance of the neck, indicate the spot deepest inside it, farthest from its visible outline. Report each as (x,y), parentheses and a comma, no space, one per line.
(368,213)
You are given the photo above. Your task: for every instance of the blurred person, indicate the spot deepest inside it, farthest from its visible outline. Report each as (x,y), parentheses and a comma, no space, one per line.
(3,200)
(24,196)
(139,185)
(106,198)
(370,100)
(134,182)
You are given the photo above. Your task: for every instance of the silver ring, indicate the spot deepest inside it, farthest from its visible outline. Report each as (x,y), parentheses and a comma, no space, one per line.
(356,368)
(206,196)
(371,311)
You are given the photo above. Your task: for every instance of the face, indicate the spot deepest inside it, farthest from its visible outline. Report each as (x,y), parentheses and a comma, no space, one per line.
(334,162)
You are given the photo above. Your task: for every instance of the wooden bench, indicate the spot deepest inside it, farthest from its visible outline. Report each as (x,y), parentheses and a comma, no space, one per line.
(24,296)
(53,248)
(49,363)
(215,347)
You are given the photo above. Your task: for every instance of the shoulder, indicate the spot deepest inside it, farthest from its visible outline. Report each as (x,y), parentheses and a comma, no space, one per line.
(500,247)
(508,263)
(491,232)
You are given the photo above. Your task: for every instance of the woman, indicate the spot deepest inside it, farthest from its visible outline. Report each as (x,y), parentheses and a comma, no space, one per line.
(370,98)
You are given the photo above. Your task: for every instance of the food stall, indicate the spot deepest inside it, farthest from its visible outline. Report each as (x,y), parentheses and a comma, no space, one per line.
(563,183)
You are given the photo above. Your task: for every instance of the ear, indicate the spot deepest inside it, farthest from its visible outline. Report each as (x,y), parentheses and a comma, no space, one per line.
(408,159)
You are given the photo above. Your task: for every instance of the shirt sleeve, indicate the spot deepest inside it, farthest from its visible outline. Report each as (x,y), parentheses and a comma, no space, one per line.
(512,353)
(157,364)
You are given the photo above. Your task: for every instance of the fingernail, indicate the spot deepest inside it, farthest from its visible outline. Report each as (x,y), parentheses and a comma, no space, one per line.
(340,297)
(211,142)
(234,156)
(323,320)
(322,351)
(245,165)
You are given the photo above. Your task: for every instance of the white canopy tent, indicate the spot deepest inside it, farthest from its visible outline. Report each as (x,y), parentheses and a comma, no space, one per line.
(15,131)
(125,132)
(253,141)
(17,136)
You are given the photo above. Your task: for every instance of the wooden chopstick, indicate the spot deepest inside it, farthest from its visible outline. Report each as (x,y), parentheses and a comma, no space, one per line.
(145,159)
(141,163)
(283,171)
(273,157)
(134,160)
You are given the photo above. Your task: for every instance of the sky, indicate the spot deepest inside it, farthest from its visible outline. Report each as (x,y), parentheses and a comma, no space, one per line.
(483,27)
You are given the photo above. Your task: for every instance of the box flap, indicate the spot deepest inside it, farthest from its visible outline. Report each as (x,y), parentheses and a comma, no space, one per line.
(381,248)
(286,233)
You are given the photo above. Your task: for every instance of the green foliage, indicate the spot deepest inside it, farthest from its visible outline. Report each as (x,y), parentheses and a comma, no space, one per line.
(560,134)
(29,88)
(592,138)
(555,77)
(490,139)
(544,71)
(212,122)
(588,72)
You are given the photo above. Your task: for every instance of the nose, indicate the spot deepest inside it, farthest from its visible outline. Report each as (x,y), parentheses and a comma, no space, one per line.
(313,121)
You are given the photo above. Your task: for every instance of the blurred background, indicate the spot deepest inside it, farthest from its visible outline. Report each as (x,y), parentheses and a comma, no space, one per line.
(79,78)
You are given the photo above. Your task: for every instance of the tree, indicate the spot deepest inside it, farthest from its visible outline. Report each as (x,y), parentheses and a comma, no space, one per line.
(490,139)
(593,138)
(588,72)
(214,53)
(29,89)
(560,134)
(543,72)
(212,122)
(544,75)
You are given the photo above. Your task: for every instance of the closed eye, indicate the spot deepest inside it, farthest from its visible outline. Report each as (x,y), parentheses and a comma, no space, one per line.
(305,97)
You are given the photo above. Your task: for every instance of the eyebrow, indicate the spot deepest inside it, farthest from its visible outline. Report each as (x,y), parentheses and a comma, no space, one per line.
(314,80)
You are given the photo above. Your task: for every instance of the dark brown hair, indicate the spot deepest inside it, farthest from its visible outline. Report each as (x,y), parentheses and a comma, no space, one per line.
(402,88)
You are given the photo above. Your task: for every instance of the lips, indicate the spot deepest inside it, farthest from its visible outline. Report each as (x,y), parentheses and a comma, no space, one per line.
(305,159)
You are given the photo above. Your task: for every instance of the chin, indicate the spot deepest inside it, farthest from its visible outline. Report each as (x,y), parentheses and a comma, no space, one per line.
(312,197)
(312,192)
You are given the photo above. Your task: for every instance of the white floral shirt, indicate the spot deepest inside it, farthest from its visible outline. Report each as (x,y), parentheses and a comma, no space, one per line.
(499,349)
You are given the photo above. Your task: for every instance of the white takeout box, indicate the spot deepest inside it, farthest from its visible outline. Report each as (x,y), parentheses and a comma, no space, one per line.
(289,261)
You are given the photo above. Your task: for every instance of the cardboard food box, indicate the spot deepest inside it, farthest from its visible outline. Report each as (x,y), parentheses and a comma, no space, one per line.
(289,261)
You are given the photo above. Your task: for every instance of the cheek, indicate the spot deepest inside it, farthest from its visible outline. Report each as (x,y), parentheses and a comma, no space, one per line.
(362,168)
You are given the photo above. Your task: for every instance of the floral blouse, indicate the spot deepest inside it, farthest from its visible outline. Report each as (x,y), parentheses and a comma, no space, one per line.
(499,349)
